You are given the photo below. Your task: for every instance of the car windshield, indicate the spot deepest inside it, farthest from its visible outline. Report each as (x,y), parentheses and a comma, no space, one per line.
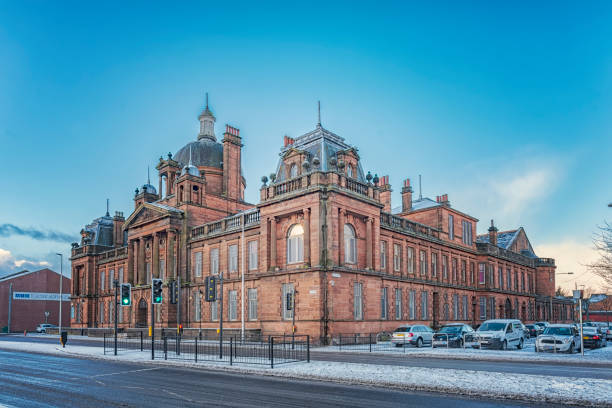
(450,329)
(530,326)
(402,329)
(558,331)
(590,330)
(492,327)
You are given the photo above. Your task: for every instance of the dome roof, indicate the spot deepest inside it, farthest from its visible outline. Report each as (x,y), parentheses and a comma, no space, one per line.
(204,152)
(148,188)
(190,169)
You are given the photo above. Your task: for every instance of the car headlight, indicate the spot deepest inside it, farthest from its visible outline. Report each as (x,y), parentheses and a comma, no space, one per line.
(566,340)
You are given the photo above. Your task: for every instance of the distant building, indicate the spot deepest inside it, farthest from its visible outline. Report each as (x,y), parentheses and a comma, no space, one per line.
(33,294)
(324,230)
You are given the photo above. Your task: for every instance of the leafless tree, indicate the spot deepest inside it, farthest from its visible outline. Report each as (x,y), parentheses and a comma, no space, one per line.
(603,244)
(561,292)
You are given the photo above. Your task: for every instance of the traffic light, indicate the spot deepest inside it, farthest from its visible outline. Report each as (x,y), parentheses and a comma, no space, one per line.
(126,294)
(174,292)
(211,288)
(290,301)
(156,288)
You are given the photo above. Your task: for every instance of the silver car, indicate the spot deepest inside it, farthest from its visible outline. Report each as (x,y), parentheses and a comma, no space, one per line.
(416,335)
(559,337)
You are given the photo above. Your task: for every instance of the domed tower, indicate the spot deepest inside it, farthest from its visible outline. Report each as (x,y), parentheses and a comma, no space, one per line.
(146,194)
(190,185)
(207,124)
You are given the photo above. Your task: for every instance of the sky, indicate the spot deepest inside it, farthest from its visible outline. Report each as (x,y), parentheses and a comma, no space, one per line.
(504,107)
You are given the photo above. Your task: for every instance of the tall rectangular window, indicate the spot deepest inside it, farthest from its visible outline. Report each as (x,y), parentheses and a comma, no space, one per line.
(500,277)
(121,275)
(454,269)
(287,308)
(214,261)
(101,312)
(423,263)
(465,307)
(233,258)
(491,276)
(467,232)
(481,273)
(492,313)
(455,307)
(434,264)
(252,294)
(197,265)
(72,312)
(472,273)
(398,304)
(410,259)
(444,267)
(148,270)
(162,269)
(110,312)
(102,281)
(357,302)
(451,227)
(412,304)
(214,310)
(197,309)
(483,308)
(111,278)
(424,305)
(522,281)
(397,257)
(233,305)
(383,304)
(383,255)
(253,248)
(463,270)
(516,281)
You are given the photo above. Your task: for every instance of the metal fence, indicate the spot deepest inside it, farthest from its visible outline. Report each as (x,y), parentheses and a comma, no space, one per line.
(273,350)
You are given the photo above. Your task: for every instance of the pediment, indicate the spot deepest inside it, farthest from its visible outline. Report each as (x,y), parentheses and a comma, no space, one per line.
(146,213)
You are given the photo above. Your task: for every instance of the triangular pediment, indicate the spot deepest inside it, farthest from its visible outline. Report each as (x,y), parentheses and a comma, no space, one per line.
(149,212)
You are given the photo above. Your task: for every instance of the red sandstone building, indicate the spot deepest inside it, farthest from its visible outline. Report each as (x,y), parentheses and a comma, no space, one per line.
(323,230)
(31,294)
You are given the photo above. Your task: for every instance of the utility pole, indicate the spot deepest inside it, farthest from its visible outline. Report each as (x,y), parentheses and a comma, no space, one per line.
(10,306)
(242,281)
(152,324)
(581,336)
(60,297)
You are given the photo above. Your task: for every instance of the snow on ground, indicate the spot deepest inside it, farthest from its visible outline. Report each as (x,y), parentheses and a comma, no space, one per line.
(597,356)
(594,392)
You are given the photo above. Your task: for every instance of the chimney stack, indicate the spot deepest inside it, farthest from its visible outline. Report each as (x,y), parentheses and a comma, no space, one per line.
(443,200)
(288,141)
(492,234)
(385,193)
(406,196)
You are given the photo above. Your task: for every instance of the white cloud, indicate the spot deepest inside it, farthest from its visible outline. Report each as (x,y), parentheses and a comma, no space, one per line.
(5,256)
(522,190)
(571,256)
(9,263)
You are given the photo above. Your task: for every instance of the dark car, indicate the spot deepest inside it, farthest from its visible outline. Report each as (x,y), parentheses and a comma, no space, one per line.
(591,337)
(452,333)
(534,330)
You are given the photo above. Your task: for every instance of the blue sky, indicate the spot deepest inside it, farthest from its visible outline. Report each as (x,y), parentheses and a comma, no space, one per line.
(504,107)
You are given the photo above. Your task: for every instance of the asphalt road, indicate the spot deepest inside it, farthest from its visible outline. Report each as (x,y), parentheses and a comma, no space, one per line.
(519,367)
(39,380)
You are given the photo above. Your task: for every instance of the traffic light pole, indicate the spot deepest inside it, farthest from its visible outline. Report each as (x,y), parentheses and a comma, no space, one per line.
(116,282)
(221,316)
(152,328)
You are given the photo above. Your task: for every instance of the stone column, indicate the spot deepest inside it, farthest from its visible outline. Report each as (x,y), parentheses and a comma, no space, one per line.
(369,243)
(130,268)
(142,279)
(341,238)
(170,254)
(272,242)
(160,186)
(155,255)
(307,235)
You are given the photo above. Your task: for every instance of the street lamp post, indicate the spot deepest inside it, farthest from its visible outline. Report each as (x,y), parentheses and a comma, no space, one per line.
(60,299)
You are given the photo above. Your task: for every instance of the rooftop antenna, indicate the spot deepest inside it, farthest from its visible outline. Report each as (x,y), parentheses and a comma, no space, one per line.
(107,213)
(319,106)
(420,189)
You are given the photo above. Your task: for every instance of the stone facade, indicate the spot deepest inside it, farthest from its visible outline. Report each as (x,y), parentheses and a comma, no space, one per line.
(322,230)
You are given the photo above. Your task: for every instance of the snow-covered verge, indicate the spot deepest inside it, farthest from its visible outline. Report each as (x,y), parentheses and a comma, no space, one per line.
(561,390)
(600,356)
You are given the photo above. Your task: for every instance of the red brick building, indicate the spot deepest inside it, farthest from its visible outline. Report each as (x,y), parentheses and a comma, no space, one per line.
(324,230)
(33,294)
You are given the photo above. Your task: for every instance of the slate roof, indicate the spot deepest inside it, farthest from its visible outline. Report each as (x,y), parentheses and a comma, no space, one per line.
(166,207)
(504,239)
(419,204)
(204,152)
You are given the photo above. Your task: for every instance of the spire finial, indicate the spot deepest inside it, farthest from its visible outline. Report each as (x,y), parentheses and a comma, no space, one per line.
(190,155)
(107,213)
(206,100)
(148,176)
(319,108)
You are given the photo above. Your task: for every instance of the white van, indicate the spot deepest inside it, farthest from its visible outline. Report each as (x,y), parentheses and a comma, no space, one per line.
(501,334)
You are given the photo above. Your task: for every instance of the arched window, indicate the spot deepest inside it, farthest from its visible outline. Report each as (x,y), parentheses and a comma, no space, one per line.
(350,245)
(295,244)
(349,171)
(293,171)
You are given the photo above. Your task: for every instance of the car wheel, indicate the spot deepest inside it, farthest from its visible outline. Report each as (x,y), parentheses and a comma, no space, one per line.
(520,345)
(504,345)
(419,342)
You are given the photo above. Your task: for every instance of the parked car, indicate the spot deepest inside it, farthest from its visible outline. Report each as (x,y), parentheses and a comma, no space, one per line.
(559,337)
(526,331)
(543,325)
(592,338)
(534,330)
(501,334)
(42,328)
(416,335)
(609,333)
(451,335)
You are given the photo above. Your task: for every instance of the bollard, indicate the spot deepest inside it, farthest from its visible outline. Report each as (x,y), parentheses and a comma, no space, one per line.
(196,349)
(165,348)
(231,351)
